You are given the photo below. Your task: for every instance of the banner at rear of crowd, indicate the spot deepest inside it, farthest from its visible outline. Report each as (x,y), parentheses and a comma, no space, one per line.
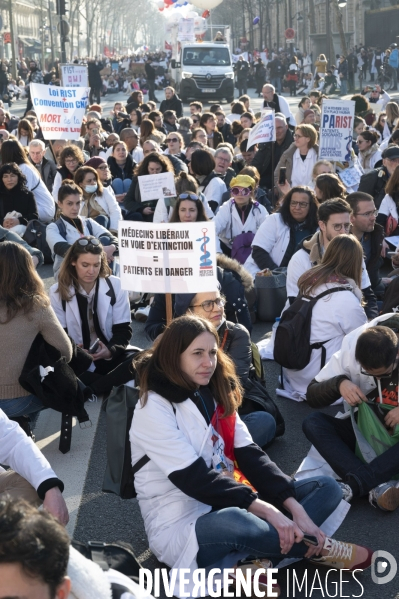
(336,130)
(60,111)
(167,257)
(74,75)
(186,31)
(263,131)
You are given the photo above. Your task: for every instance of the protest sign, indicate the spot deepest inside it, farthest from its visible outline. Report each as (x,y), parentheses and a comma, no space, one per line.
(59,110)
(156,187)
(74,75)
(336,130)
(350,177)
(167,257)
(263,131)
(186,30)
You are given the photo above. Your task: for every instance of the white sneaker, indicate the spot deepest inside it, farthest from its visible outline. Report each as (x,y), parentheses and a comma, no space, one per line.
(385,496)
(142,314)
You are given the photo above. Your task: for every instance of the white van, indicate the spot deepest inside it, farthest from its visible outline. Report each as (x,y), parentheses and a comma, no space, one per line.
(204,72)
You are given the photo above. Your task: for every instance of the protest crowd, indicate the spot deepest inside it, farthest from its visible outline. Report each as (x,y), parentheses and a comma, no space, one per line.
(307,242)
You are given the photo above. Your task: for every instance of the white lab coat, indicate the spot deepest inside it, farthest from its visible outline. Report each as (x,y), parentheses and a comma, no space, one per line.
(108,202)
(300,263)
(172,442)
(44,201)
(107,315)
(273,236)
(333,317)
(162,214)
(228,222)
(53,236)
(20,453)
(214,190)
(285,109)
(388,207)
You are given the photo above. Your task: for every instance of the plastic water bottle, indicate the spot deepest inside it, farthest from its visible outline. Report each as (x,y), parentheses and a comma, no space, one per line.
(274,328)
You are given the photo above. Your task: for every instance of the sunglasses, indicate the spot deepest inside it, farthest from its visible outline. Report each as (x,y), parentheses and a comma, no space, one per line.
(188,196)
(241,191)
(172,140)
(84,242)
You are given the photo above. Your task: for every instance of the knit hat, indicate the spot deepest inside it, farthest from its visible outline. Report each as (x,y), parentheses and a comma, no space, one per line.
(182,302)
(243,181)
(95,162)
(307,112)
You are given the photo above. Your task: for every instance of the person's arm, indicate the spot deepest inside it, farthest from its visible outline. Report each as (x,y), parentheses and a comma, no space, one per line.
(31,212)
(324,393)
(56,242)
(37,254)
(262,258)
(371,307)
(19,452)
(114,211)
(240,351)
(121,320)
(54,334)
(129,201)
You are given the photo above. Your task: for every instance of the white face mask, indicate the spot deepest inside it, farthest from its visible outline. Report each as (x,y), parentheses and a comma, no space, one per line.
(91,188)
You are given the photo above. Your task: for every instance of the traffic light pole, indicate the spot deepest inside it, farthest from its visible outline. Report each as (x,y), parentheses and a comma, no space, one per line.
(62,26)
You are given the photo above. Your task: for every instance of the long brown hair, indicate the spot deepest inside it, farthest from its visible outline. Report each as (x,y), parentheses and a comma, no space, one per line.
(343,258)
(392,187)
(164,359)
(67,277)
(21,288)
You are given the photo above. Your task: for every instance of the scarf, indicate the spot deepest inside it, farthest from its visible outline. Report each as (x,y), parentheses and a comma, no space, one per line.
(366,156)
(91,208)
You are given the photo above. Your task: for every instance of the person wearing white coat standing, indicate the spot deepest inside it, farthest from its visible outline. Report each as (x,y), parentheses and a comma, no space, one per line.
(61,234)
(98,202)
(12,151)
(278,236)
(92,307)
(334,315)
(188,431)
(240,215)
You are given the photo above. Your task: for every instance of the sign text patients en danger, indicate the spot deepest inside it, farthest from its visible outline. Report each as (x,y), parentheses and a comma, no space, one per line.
(167,258)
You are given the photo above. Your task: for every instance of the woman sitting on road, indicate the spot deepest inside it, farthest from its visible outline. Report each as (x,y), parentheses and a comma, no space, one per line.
(341,267)
(69,227)
(187,425)
(95,311)
(238,219)
(303,105)
(98,203)
(71,158)
(121,165)
(25,312)
(17,203)
(299,159)
(175,145)
(202,166)
(24,132)
(153,164)
(278,236)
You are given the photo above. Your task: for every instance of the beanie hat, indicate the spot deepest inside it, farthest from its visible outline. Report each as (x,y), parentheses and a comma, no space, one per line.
(307,112)
(95,162)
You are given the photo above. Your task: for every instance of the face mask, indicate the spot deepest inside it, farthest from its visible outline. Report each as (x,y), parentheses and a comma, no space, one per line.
(91,188)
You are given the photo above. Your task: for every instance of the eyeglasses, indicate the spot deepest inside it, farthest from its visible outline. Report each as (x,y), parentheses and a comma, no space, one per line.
(71,161)
(241,191)
(103,168)
(300,204)
(339,227)
(368,214)
(386,375)
(296,136)
(208,305)
(84,241)
(188,196)
(172,140)
(195,121)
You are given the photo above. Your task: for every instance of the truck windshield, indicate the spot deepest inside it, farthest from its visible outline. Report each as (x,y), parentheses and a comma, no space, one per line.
(206,56)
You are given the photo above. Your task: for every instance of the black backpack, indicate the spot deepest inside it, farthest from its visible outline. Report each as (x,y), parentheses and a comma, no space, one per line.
(292,347)
(35,236)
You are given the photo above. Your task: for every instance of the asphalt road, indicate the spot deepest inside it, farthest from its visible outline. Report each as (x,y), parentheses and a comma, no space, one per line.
(105,517)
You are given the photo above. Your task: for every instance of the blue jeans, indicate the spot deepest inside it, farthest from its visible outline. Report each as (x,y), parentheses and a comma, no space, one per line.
(234,529)
(121,185)
(262,427)
(335,440)
(344,89)
(276,82)
(102,220)
(21,406)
